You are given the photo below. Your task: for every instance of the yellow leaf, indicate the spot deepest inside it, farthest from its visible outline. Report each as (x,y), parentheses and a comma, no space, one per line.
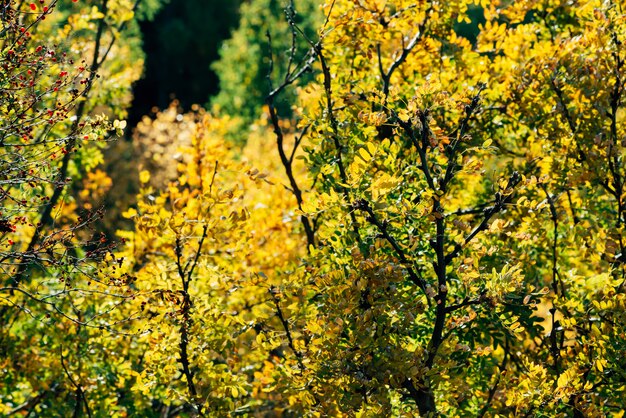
(144,176)
(599,366)
(310,206)
(130,213)
(371,148)
(364,155)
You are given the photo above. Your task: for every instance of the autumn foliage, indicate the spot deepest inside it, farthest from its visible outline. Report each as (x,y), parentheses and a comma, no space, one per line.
(417,224)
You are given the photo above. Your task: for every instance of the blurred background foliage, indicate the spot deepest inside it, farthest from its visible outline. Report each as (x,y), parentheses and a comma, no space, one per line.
(216,54)
(206,53)
(244,62)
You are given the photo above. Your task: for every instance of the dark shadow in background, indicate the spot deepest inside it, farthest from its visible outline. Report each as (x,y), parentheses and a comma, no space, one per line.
(180,44)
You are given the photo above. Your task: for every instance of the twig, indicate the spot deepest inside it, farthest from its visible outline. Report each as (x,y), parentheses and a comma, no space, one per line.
(184,331)
(406,50)
(364,206)
(494,388)
(287,162)
(80,392)
(285,324)
(500,203)
(46,216)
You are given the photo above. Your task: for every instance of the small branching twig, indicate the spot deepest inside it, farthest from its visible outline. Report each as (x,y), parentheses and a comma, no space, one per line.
(335,134)
(467,302)
(286,161)
(185,277)
(285,324)
(502,199)
(81,398)
(493,389)
(47,218)
(406,50)
(382,228)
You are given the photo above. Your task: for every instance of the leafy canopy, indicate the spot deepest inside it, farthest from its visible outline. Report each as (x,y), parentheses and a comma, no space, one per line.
(436,229)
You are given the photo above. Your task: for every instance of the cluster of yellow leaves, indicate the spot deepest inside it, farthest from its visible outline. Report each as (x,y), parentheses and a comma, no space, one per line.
(466,199)
(225,233)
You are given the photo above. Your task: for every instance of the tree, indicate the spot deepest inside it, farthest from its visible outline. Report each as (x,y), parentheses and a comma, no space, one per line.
(196,233)
(435,229)
(439,166)
(57,108)
(449,193)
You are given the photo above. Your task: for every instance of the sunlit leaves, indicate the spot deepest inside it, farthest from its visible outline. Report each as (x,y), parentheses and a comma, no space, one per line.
(467,207)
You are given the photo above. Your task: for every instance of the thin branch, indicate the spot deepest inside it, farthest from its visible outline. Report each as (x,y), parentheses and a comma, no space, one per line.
(287,162)
(54,306)
(184,329)
(494,388)
(32,403)
(554,346)
(328,91)
(555,221)
(297,142)
(406,50)
(213,177)
(80,392)
(500,203)
(115,37)
(421,144)
(285,324)
(190,271)
(452,149)
(46,216)
(364,206)
(568,117)
(467,302)
(472,211)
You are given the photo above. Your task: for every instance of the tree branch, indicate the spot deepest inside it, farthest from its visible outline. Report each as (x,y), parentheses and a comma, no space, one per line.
(287,162)
(364,206)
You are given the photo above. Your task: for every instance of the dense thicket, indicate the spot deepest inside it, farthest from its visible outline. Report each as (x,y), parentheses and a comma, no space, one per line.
(416,224)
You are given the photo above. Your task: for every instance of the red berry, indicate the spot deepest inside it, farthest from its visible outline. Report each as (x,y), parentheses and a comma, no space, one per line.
(33,6)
